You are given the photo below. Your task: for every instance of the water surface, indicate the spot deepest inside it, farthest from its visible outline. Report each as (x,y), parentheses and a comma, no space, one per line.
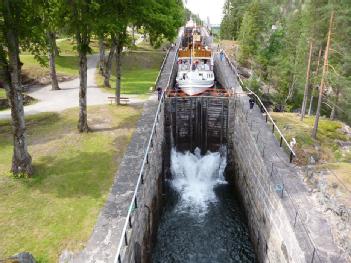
(202,220)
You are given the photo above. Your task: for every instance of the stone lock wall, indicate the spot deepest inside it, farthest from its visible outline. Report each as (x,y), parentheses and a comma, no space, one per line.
(146,216)
(271,231)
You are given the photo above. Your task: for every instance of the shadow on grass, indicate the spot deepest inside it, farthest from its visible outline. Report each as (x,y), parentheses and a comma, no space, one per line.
(34,125)
(126,122)
(77,175)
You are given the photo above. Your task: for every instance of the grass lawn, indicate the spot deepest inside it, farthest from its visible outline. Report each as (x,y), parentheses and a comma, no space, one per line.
(145,46)
(2,94)
(139,72)
(325,148)
(67,46)
(65,65)
(58,207)
(66,62)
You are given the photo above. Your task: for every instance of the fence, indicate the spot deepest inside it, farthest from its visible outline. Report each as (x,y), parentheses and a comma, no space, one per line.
(278,184)
(275,129)
(134,202)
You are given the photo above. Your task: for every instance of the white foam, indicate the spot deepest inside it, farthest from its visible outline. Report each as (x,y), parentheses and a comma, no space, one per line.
(195,176)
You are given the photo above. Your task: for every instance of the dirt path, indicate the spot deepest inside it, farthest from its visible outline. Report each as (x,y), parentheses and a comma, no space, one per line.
(67,97)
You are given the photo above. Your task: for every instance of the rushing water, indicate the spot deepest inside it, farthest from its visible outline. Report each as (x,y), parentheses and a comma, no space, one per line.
(202,221)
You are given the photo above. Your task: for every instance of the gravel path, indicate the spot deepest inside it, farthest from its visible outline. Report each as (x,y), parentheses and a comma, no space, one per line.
(67,97)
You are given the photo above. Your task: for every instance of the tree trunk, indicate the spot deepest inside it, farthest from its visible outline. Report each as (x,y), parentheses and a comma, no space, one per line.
(107,67)
(304,103)
(101,54)
(333,112)
(312,86)
(133,35)
(21,159)
(52,57)
(321,87)
(118,71)
(83,116)
(311,103)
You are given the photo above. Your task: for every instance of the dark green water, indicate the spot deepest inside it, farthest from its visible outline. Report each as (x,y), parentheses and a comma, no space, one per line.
(202,220)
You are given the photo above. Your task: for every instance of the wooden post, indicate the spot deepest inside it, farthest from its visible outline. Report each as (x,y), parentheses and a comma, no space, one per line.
(321,88)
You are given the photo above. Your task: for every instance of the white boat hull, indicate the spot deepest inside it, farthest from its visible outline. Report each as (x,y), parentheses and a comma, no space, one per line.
(189,83)
(194,83)
(192,91)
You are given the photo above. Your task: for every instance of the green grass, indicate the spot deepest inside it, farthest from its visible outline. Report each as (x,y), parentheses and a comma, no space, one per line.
(139,72)
(2,94)
(325,148)
(65,65)
(146,46)
(136,81)
(67,46)
(58,207)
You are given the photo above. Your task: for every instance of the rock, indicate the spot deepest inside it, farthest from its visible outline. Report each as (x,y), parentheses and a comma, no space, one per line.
(312,160)
(317,148)
(66,256)
(23,257)
(343,143)
(346,130)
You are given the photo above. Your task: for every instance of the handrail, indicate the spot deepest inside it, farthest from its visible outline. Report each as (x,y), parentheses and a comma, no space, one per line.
(162,66)
(292,153)
(134,203)
(297,213)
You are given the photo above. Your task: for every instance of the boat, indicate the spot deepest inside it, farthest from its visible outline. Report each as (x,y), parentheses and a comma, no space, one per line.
(195,63)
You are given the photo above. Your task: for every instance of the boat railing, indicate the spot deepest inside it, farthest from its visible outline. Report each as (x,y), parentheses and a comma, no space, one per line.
(197,53)
(202,53)
(184,53)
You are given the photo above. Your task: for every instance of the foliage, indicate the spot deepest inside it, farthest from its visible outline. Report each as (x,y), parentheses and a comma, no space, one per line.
(233,15)
(253,84)
(249,33)
(274,38)
(26,23)
(188,15)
